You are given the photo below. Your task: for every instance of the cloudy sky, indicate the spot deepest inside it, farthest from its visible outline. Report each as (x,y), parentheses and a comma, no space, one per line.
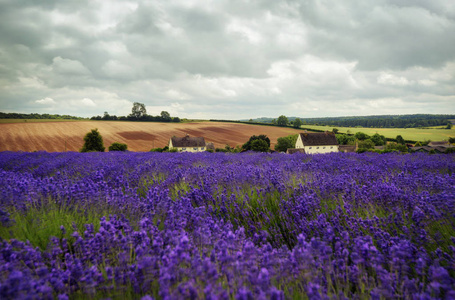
(229,59)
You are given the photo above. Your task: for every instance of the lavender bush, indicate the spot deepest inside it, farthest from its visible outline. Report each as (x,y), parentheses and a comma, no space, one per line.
(224,226)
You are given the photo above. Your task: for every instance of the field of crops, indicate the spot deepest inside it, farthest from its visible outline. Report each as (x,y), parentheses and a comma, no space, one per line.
(227,226)
(413,134)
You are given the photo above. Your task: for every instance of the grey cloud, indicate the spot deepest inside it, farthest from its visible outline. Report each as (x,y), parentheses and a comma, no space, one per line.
(384,36)
(234,58)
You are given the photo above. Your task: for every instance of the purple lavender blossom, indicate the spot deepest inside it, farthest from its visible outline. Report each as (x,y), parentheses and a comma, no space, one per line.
(219,226)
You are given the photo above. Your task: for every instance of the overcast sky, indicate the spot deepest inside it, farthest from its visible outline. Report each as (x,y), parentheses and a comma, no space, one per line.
(228,59)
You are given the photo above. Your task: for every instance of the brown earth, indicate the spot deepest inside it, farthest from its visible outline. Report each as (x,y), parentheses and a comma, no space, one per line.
(139,136)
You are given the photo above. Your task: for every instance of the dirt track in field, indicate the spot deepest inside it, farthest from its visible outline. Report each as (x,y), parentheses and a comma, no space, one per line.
(139,136)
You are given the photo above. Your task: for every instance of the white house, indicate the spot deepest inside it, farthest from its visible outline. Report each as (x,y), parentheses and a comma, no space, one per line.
(187,144)
(317,142)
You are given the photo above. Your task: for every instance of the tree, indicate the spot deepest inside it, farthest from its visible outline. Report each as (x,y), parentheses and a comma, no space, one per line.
(449,126)
(297,123)
(138,111)
(396,146)
(366,144)
(284,143)
(166,116)
(361,136)
(260,146)
(452,140)
(282,121)
(344,139)
(93,141)
(400,139)
(378,140)
(118,147)
(247,146)
(335,130)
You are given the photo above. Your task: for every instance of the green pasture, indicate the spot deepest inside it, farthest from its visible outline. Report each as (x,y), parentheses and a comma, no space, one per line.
(413,134)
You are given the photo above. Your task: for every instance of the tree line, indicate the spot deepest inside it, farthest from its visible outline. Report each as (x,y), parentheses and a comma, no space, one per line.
(138,113)
(38,116)
(388,121)
(380,121)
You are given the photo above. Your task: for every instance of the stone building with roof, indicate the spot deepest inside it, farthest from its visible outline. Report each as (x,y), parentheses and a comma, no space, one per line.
(187,144)
(294,150)
(317,142)
(348,148)
(437,146)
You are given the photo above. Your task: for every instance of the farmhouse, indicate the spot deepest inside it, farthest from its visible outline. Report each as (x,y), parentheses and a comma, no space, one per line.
(317,142)
(187,144)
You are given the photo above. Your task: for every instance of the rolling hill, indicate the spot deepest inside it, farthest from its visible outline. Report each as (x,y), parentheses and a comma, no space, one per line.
(139,136)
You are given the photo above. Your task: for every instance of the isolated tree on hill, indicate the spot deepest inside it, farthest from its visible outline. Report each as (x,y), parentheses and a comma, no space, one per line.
(282,121)
(138,111)
(335,130)
(248,145)
(297,123)
(93,141)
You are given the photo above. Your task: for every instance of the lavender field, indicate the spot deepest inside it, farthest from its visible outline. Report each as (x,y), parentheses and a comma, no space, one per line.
(227,226)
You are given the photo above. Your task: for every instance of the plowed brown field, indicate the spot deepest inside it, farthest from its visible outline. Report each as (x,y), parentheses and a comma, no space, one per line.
(139,136)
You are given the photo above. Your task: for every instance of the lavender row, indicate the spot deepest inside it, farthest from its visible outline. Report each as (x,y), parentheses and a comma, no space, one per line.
(181,225)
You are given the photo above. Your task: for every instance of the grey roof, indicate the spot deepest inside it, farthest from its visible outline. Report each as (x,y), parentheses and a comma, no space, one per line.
(429,148)
(188,141)
(421,148)
(318,138)
(439,143)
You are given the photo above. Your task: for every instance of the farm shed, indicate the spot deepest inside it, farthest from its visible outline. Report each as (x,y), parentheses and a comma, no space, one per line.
(347,148)
(317,142)
(294,150)
(187,144)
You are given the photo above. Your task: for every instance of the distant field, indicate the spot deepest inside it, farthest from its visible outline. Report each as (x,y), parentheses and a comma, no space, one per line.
(58,136)
(5,121)
(413,134)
